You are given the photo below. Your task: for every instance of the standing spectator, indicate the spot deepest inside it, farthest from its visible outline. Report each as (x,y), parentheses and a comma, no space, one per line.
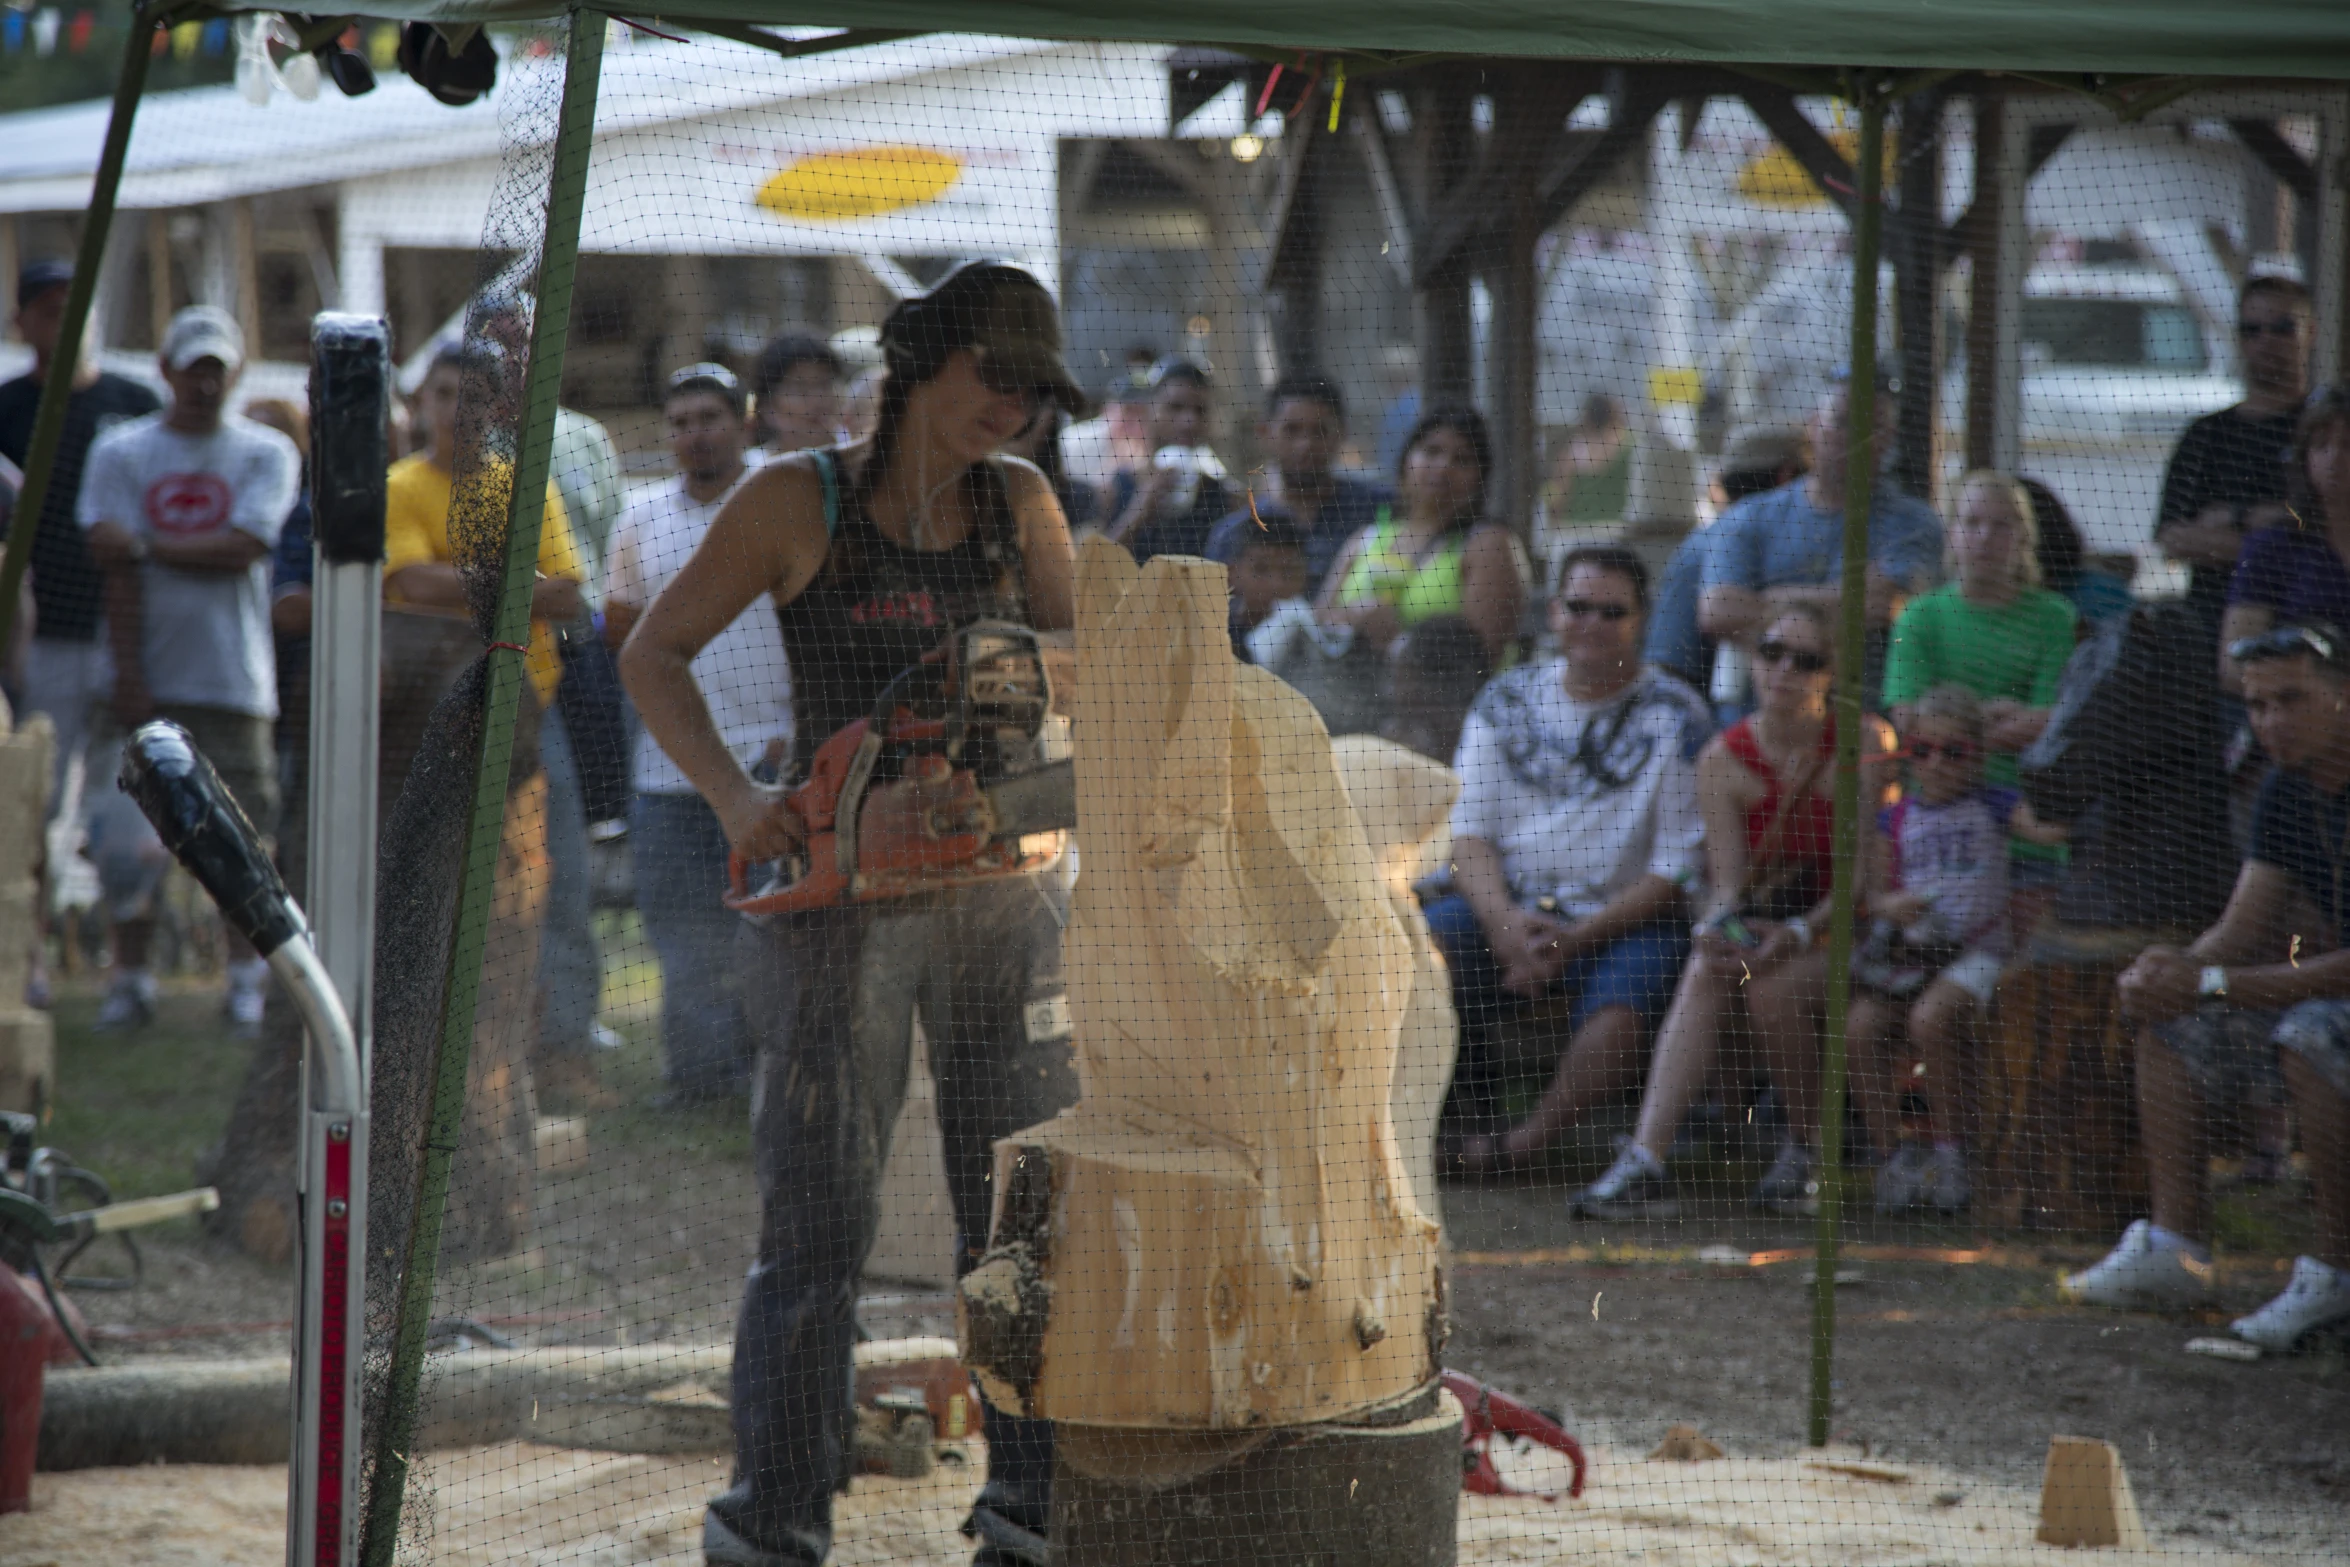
(291,568)
(1574,838)
(1171,505)
(420,567)
(2227,474)
(1399,376)
(183,509)
(1434,553)
(1787,545)
(2254,1010)
(1763,791)
(1591,475)
(1993,629)
(795,396)
(1754,459)
(68,669)
(2300,575)
(1094,450)
(1304,428)
(2097,595)
(679,846)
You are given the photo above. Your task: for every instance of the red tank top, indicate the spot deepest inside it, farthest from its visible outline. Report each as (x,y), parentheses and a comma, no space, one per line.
(1806,842)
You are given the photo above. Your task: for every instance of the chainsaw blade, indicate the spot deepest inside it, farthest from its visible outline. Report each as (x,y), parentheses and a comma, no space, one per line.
(1044,800)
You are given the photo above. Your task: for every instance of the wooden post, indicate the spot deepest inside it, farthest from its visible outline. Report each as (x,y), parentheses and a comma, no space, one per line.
(1219,1244)
(1441,143)
(159,275)
(1917,261)
(1982,242)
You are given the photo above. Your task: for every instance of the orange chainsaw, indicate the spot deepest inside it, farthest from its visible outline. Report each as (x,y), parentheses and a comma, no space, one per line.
(944,785)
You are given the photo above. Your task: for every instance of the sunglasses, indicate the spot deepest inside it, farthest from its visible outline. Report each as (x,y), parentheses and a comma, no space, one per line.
(2285,328)
(1582,609)
(1804,661)
(2285,642)
(1949,750)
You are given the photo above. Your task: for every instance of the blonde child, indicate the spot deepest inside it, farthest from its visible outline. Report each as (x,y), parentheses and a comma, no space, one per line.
(1940,939)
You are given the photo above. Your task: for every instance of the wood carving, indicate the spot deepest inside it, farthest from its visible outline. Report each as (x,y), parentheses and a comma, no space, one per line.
(1403,800)
(1222,1233)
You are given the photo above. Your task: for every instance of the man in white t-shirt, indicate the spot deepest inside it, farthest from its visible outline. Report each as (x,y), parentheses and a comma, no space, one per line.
(679,848)
(183,509)
(1575,839)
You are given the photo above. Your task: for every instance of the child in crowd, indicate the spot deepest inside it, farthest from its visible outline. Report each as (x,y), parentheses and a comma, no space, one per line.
(1940,938)
(1268,568)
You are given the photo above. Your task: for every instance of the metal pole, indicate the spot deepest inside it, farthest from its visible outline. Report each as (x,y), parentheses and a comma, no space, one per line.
(49,424)
(550,324)
(1860,476)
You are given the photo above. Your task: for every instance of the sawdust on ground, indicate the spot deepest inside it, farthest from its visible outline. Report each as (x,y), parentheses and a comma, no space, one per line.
(521,1505)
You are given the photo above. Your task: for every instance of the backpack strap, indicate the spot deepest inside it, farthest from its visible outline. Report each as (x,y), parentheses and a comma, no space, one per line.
(828,474)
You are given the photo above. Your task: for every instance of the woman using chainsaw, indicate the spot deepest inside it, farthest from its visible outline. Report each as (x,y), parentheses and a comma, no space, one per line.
(874,554)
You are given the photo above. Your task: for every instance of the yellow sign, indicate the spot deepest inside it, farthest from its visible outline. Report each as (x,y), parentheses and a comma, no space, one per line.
(1776,180)
(838,186)
(1676,386)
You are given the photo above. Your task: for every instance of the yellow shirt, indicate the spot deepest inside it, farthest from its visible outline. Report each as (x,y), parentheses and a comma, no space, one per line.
(416,533)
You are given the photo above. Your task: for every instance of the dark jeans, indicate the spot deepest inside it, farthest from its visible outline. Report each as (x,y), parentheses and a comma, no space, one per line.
(680,854)
(1639,969)
(983,967)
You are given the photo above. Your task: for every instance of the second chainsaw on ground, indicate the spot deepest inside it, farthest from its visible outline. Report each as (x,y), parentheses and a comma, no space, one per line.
(945,784)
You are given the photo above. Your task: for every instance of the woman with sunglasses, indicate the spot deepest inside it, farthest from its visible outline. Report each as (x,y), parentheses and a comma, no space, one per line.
(873,553)
(1433,553)
(1763,789)
(2299,576)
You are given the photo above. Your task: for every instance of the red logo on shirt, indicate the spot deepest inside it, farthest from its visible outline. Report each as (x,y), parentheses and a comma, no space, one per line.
(916,608)
(188,503)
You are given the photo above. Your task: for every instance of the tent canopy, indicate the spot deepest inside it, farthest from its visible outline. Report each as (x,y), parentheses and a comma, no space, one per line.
(2289,38)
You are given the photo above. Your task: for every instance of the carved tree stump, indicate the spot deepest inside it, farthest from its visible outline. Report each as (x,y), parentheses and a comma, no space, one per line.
(1221,1235)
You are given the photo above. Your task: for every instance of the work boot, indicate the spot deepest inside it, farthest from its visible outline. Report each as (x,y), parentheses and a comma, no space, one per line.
(1009,1529)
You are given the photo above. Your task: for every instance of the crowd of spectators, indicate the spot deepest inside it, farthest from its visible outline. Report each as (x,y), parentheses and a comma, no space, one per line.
(1641,854)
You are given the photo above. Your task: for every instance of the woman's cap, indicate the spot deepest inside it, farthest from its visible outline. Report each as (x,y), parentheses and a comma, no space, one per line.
(1001,313)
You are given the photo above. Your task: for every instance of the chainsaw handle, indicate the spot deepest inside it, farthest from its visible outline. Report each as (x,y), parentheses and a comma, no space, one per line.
(200,823)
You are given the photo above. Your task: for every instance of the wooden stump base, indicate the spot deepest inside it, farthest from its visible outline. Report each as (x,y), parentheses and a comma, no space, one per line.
(1372,1492)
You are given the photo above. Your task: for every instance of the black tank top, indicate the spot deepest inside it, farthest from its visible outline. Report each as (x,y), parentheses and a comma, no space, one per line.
(875,608)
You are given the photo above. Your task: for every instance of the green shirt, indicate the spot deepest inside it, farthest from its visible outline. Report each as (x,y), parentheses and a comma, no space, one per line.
(2014,651)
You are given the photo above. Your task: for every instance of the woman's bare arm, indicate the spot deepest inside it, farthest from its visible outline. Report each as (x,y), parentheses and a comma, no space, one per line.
(1050,559)
(768,539)
(1725,789)
(1493,586)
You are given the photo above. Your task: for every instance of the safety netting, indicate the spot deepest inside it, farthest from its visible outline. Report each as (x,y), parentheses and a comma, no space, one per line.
(1137,805)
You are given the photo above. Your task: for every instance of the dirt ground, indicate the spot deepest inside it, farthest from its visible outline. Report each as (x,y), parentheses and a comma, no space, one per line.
(1964,1367)
(522,1506)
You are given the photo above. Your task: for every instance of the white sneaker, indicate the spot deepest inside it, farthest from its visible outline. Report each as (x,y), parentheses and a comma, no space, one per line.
(245,1006)
(1903,1179)
(129,1003)
(2142,1274)
(1948,1185)
(2318,1297)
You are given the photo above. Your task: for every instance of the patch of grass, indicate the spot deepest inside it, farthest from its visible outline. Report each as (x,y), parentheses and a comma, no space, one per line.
(138,1108)
(2273,1221)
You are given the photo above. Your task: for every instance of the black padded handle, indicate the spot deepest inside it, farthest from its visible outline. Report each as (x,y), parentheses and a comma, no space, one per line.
(202,825)
(350,392)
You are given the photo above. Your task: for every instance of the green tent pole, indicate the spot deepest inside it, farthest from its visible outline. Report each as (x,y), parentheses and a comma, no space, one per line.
(1860,476)
(56,391)
(550,325)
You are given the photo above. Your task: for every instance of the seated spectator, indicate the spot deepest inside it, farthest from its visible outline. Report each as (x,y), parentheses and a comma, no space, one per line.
(1940,935)
(1305,425)
(1763,793)
(182,509)
(795,396)
(1591,476)
(2226,477)
(2254,1010)
(1786,546)
(1435,555)
(2095,594)
(1754,459)
(1995,631)
(1267,568)
(1434,672)
(1170,506)
(1573,839)
(2297,575)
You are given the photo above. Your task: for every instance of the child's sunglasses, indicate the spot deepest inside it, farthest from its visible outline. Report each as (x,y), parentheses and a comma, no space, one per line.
(1805,661)
(1950,750)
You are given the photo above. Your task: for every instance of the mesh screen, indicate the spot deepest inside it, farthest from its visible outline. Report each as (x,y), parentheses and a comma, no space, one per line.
(1373,1105)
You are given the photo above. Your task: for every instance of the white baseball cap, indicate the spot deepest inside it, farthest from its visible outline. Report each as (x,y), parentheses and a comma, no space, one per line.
(204,332)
